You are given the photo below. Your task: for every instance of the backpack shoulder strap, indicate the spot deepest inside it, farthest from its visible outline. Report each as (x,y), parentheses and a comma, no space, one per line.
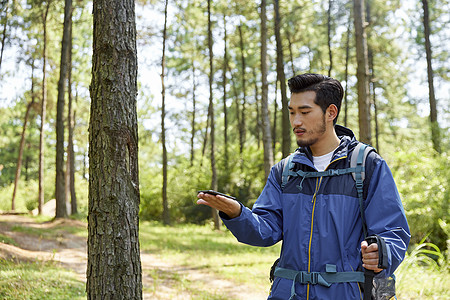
(358,162)
(288,165)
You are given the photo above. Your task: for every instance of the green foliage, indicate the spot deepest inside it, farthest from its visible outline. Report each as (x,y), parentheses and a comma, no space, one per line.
(423,181)
(429,267)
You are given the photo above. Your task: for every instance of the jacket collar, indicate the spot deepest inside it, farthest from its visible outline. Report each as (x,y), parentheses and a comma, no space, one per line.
(303,155)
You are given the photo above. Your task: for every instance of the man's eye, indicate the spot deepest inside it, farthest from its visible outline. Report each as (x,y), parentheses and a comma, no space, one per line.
(305,112)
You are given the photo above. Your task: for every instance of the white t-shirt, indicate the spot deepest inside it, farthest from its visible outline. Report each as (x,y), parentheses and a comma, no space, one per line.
(321,162)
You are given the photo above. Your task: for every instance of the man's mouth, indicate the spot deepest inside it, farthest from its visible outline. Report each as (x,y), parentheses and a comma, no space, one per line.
(299,131)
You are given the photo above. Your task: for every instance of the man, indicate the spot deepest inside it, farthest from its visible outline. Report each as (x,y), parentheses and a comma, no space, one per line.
(319,219)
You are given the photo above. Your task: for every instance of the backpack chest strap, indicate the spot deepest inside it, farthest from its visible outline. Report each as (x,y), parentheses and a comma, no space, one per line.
(327,173)
(322,278)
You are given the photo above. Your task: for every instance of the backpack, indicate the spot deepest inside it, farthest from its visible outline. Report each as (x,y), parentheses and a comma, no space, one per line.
(382,288)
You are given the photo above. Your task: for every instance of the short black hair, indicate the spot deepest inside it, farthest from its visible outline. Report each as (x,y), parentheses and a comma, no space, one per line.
(328,90)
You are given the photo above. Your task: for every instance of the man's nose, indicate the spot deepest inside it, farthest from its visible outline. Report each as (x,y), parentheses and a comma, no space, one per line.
(297,120)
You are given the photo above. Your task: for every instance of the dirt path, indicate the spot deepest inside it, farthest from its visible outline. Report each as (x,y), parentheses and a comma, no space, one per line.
(161,280)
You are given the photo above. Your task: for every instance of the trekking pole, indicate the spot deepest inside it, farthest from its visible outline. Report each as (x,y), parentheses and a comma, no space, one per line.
(382,264)
(369,274)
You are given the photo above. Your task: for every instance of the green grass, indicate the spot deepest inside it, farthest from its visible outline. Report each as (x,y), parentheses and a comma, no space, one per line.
(38,280)
(215,252)
(218,253)
(52,232)
(7,240)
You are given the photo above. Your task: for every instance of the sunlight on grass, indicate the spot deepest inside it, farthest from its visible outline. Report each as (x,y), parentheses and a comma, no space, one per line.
(34,280)
(217,252)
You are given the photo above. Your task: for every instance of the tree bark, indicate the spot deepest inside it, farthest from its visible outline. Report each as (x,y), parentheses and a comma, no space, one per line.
(435,130)
(224,86)
(70,164)
(267,137)
(330,53)
(214,180)
(4,33)
(372,80)
(194,103)
(60,195)
(285,124)
(347,58)
(166,213)
(43,109)
(114,267)
(362,73)
(242,126)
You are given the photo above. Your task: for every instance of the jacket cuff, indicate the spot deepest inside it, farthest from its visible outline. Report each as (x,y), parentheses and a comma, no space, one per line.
(224,216)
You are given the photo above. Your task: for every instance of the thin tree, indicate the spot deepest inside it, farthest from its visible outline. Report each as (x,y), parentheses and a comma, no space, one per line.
(435,131)
(166,214)
(258,124)
(267,137)
(214,180)
(22,139)
(362,73)
(224,87)
(4,6)
(242,126)
(114,268)
(60,195)
(43,108)
(347,58)
(285,125)
(194,103)
(372,80)
(330,53)
(70,163)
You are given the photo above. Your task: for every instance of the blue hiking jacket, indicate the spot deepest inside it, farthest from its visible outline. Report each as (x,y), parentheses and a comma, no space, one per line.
(321,223)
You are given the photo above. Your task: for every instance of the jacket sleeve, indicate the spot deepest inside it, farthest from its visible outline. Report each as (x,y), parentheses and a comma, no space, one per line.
(261,226)
(385,215)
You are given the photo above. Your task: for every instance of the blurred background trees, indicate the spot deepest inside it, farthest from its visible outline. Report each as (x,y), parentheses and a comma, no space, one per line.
(407,66)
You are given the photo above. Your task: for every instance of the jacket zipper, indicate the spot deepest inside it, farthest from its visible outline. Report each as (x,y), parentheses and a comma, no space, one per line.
(318,182)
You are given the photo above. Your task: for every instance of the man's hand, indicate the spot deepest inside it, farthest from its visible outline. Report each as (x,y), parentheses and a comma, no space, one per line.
(229,206)
(370,256)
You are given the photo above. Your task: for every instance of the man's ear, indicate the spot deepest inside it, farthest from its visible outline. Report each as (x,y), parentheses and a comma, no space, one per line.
(331,113)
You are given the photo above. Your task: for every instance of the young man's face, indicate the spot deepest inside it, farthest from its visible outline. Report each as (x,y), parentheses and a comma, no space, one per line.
(307,118)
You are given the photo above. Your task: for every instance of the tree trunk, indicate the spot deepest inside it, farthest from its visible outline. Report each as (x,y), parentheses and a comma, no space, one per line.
(258,125)
(362,73)
(291,54)
(70,166)
(224,84)
(267,137)
(5,26)
(194,103)
(61,210)
(43,109)
(285,124)
(435,130)
(347,58)
(330,53)
(211,116)
(372,80)
(275,119)
(114,267)
(22,141)
(166,213)
(242,126)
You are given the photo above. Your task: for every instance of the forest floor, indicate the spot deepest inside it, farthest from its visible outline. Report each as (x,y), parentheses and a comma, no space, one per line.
(70,251)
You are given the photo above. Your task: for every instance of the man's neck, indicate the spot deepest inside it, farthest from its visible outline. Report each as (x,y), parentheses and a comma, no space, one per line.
(326,144)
